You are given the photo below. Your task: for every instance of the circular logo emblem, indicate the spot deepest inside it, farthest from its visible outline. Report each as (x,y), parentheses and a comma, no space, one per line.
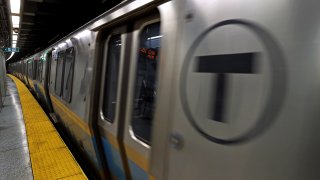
(276,91)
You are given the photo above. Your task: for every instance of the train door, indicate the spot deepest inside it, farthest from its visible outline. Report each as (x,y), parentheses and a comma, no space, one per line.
(110,125)
(128,95)
(47,74)
(52,73)
(38,75)
(34,74)
(142,92)
(29,72)
(25,71)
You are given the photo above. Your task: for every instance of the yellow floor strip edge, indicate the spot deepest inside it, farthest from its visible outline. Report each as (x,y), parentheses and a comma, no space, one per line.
(50,157)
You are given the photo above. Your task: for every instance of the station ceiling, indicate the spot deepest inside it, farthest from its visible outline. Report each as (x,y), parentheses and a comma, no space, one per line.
(43,22)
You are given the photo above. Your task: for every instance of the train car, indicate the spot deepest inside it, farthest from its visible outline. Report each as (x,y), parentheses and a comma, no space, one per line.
(190,89)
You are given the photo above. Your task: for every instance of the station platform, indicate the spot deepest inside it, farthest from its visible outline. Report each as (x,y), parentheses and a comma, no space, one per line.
(30,146)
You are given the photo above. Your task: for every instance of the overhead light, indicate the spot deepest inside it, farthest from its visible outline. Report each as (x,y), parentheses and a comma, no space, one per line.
(14,45)
(15,6)
(14,41)
(10,56)
(15,25)
(15,21)
(14,32)
(14,37)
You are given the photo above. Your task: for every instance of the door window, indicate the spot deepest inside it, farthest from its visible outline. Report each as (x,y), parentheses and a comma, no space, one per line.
(59,72)
(111,78)
(145,90)
(68,74)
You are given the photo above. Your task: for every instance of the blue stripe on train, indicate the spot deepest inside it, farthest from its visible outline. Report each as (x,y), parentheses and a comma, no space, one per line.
(136,172)
(114,160)
(116,166)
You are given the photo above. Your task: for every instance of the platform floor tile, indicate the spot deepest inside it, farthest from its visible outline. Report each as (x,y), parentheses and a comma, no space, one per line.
(50,157)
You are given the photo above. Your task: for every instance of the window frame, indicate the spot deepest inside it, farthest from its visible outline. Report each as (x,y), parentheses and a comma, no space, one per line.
(133,83)
(39,76)
(30,69)
(34,69)
(105,69)
(56,75)
(68,99)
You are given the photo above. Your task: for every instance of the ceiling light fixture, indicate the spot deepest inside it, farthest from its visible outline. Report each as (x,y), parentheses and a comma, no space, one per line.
(15,21)
(14,37)
(15,6)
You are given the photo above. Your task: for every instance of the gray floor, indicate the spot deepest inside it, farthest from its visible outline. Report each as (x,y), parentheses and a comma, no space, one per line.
(14,154)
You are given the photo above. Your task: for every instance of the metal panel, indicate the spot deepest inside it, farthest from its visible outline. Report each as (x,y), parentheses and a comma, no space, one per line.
(270,119)
(162,122)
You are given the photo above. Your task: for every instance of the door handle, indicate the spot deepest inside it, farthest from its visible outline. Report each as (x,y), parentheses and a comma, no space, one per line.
(176,141)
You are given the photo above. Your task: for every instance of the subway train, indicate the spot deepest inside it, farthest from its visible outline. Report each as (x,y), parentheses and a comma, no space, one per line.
(189,89)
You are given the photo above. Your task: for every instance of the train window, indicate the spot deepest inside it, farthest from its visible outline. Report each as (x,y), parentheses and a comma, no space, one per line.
(59,71)
(30,67)
(111,80)
(34,70)
(68,74)
(26,69)
(146,81)
(39,70)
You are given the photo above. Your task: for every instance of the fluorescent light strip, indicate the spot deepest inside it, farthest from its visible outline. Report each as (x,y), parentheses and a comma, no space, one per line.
(15,25)
(10,56)
(15,6)
(14,37)
(15,19)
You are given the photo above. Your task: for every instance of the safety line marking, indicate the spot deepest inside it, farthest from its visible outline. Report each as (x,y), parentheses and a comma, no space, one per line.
(50,157)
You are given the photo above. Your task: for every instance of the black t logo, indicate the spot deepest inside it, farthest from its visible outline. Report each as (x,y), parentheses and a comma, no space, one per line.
(241,63)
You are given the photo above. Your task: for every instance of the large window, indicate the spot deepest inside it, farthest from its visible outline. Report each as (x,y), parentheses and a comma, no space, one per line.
(59,72)
(28,69)
(146,81)
(40,64)
(68,74)
(111,78)
(35,69)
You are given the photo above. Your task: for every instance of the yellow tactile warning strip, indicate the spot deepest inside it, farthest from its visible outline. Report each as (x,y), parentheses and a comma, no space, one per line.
(50,157)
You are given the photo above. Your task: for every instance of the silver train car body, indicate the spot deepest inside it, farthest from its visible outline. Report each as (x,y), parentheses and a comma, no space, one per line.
(189,89)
